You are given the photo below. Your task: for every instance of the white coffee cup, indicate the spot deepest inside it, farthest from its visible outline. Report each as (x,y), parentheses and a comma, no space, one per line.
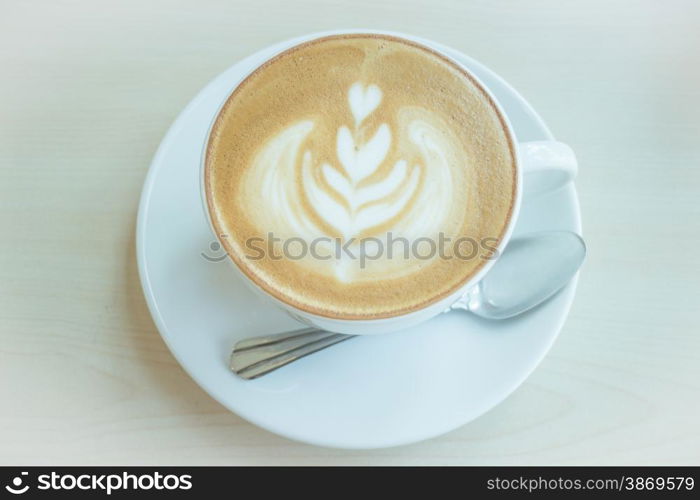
(548,165)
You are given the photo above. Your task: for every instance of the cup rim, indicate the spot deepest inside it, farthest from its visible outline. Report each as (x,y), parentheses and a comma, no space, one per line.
(444,299)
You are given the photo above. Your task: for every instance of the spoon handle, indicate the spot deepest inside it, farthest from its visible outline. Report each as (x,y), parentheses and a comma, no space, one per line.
(254,357)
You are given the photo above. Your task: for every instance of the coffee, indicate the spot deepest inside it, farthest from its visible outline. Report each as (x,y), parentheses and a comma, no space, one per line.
(354,176)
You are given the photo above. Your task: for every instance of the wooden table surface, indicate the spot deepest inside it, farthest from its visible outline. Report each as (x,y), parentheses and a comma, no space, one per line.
(89,88)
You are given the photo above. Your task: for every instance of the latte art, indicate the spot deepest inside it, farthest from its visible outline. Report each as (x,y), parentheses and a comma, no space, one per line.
(357,140)
(365,192)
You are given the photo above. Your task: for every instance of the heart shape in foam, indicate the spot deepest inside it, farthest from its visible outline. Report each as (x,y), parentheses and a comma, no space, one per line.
(363,100)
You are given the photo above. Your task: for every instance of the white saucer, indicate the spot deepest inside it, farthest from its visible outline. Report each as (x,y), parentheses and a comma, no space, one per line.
(371,392)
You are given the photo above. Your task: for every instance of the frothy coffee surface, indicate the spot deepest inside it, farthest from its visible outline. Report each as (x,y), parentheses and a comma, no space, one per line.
(368,142)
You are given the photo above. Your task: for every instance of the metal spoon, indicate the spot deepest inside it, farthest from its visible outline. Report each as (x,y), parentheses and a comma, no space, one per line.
(530,270)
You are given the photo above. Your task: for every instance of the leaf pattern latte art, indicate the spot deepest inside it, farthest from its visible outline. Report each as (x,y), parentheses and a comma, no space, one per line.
(346,195)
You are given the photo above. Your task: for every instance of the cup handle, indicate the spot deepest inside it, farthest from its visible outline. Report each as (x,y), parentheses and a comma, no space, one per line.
(546,165)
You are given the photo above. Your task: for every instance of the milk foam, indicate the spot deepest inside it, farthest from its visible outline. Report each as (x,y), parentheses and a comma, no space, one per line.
(349,196)
(348,138)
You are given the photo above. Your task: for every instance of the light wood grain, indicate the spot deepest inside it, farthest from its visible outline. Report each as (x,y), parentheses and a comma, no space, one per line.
(89,88)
